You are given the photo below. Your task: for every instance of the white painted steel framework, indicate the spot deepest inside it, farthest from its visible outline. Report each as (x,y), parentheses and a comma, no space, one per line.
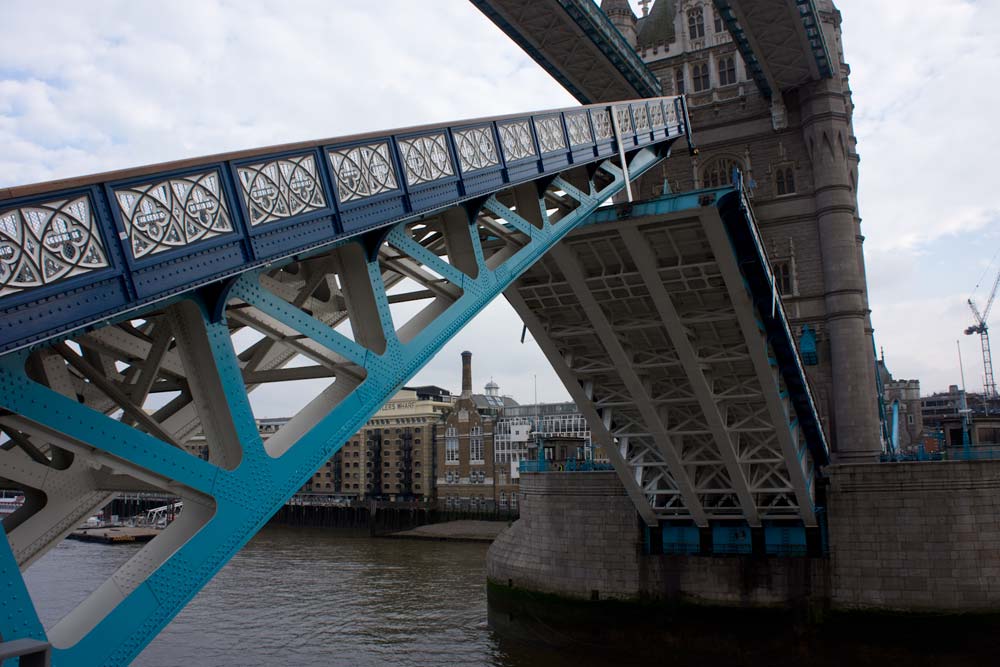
(651,328)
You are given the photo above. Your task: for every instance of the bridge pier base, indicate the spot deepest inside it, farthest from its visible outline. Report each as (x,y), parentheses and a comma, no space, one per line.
(907,537)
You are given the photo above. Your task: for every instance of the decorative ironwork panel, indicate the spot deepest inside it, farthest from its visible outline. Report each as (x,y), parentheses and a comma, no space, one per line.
(641,119)
(624,120)
(656,115)
(426,158)
(579,128)
(173,213)
(476,148)
(363,171)
(602,125)
(550,134)
(281,188)
(516,140)
(670,113)
(47,242)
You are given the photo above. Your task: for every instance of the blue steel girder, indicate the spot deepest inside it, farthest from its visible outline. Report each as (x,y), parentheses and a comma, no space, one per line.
(575,42)
(112,398)
(80,251)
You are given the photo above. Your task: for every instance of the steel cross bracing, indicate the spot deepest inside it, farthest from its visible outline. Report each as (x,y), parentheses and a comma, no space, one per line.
(781,41)
(655,322)
(575,42)
(115,402)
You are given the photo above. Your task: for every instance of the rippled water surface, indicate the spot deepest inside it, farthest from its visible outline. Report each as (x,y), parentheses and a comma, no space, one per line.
(306,597)
(314,597)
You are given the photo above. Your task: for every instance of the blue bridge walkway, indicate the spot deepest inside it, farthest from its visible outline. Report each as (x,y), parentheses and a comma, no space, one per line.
(140,307)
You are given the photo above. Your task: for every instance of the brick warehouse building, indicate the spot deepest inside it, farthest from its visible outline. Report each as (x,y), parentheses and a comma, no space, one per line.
(466,469)
(392,457)
(799,153)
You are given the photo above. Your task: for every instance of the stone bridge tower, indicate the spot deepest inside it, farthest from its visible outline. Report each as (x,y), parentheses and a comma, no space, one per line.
(799,152)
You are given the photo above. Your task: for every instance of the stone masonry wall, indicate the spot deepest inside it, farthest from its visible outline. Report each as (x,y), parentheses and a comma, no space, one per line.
(579,533)
(916,536)
(922,536)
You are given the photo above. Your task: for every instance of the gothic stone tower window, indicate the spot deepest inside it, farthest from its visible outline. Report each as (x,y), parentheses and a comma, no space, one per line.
(679,77)
(727,71)
(784,180)
(783,276)
(696,23)
(718,21)
(719,172)
(699,76)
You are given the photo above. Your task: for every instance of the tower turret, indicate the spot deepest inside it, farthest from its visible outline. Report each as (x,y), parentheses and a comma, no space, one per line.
(622,16)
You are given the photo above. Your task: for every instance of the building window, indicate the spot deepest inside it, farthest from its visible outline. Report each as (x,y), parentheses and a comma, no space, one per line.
(719,172)
(909,419)
(699,77)
(718,22)
(784,181)
(451,450)
(476,444)
(727,71)
(783,277)
(679,79)
(696,23)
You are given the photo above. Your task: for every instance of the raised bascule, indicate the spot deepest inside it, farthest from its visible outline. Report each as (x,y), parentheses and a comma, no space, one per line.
(140,307)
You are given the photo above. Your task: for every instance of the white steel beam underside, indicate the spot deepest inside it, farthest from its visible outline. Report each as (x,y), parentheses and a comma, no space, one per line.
(652,318)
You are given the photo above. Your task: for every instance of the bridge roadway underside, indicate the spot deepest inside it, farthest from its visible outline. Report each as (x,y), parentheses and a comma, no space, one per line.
(652,327)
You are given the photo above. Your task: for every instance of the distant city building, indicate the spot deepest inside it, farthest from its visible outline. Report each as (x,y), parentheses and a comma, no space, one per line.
(392,457)
(521,427)
(906,395)
(945,405)
(465,467)
(984,431)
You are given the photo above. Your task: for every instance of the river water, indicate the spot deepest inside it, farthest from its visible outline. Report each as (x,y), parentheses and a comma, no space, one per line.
(313,597)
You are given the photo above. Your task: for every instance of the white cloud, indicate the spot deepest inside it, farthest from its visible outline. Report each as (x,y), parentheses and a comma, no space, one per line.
(87,87)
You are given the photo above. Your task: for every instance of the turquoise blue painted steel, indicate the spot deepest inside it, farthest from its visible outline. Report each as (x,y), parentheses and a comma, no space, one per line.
(142,239)
(807,346)
(784,539)
(18,617)
(734,539)
(236,502)
(681,539)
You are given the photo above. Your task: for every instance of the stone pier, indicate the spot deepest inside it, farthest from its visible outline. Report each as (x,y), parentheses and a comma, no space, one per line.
(915,537)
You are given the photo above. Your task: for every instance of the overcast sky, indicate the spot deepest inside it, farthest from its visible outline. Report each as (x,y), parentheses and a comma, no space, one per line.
(87,87)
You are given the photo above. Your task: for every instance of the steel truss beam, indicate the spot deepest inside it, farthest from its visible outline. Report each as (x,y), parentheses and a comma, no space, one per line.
(696,405)
(83,419)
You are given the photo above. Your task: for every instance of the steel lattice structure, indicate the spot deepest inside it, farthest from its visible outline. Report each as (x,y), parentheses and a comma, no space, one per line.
(351,261)
(648,318)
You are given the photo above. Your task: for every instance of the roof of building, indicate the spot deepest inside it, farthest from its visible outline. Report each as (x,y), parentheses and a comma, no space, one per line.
(484,402)
(429,391)
(608,6)
(544,409)
(658,27)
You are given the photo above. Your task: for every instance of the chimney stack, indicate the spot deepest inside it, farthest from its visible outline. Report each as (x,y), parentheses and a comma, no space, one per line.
(466,374)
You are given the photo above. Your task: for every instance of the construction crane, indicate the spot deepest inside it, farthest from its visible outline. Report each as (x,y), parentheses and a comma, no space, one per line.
(989,386)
